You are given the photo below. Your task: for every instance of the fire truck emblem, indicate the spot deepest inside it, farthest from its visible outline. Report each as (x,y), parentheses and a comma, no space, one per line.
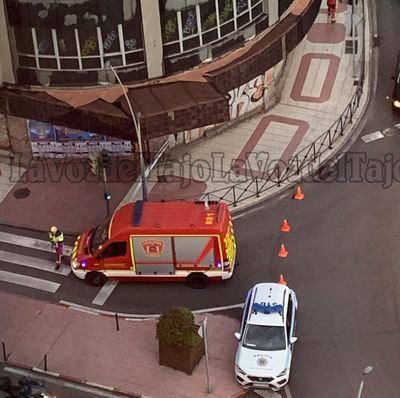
(153,248)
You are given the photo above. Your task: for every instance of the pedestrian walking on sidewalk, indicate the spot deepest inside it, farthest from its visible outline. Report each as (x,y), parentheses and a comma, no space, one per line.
(57,240)
(332,10)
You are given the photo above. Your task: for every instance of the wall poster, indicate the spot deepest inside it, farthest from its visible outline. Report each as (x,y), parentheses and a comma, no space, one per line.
(49,140)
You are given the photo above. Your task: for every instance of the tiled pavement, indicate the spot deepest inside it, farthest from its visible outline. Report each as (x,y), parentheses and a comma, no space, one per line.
(318,84)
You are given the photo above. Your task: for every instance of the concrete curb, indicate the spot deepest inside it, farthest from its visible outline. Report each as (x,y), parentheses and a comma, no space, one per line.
(40,372)
(85,383)
(139,317)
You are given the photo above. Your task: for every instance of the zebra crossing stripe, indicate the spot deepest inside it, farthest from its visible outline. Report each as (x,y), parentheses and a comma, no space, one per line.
(27,241)
(29,281)
(33,262)
(105,292)
(372,137)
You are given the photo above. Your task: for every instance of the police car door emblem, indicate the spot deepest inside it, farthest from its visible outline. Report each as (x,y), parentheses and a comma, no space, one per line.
(261,362)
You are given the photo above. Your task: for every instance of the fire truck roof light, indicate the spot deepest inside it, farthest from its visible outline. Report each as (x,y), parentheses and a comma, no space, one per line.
(137,214)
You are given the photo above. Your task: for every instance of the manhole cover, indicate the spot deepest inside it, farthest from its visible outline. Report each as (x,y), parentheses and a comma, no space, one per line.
(391,131)
(22,193)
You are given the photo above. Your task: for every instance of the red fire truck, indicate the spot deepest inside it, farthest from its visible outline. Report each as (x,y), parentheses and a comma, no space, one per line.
(159,241)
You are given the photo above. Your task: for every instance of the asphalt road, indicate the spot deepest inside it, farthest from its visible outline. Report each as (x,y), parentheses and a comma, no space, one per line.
(343,260)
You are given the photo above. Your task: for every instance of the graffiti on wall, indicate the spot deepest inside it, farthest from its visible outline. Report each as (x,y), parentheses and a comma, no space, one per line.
(251,95)
(247,97)
(109,40)
(258,92)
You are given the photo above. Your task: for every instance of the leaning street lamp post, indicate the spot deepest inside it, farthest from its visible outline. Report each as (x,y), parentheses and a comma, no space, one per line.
(367,370)
(136,122)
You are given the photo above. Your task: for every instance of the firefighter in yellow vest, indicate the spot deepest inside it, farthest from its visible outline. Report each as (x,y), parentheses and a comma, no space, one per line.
(57,240)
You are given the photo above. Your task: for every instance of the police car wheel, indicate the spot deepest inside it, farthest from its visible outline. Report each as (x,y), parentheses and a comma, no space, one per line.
(96,278)
(197,280)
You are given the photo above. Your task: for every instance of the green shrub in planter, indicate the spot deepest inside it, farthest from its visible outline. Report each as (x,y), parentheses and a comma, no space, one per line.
(177,327)
(180,345)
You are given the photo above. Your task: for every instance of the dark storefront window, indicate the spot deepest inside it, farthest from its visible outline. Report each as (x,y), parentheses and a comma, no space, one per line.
(189,21)
(225,10)
(44,41)
(191,27)
(110,39)
(77,36)
(208,18)
(66,42)
(169,23)
(23,37)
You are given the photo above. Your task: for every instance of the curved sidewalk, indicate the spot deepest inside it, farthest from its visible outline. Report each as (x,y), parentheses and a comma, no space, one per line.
(318,84)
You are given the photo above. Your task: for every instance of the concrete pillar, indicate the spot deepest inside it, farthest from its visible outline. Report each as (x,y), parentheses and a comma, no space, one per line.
(152,37)
(6,66)
(273,11)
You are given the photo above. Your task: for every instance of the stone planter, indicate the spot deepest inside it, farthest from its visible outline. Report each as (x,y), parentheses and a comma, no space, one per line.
(181,358)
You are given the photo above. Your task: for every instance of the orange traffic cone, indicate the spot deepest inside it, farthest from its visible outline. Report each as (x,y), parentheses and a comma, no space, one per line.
(282,280)
(299,195)
(285,226)
(283,252)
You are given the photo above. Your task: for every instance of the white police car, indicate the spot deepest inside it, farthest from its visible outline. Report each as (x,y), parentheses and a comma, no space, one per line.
(267,336)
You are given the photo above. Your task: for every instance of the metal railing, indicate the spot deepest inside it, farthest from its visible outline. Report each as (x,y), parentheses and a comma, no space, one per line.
(302,160)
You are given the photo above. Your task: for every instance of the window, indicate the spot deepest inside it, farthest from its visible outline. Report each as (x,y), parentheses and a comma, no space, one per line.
(115,249)
(170,26)
(225,10)
(206,22)
(100,236)
(246,311)
(189,21)
(69,37)
(44,41)
(208,17)
(289,317)
(23,38)
(110,38)
(76,49)
(265,338)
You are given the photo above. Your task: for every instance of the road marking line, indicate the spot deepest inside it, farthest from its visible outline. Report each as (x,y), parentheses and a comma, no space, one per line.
(74,306)
(29,281)
(32,243)
(246,213)
(372,136)
(145,316)
(215,309)
(105,292)
(84,311)
(97,385)
(33,262)
(25,372)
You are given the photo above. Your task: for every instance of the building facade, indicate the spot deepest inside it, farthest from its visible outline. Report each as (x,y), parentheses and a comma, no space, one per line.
(188,65)
(71,42)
